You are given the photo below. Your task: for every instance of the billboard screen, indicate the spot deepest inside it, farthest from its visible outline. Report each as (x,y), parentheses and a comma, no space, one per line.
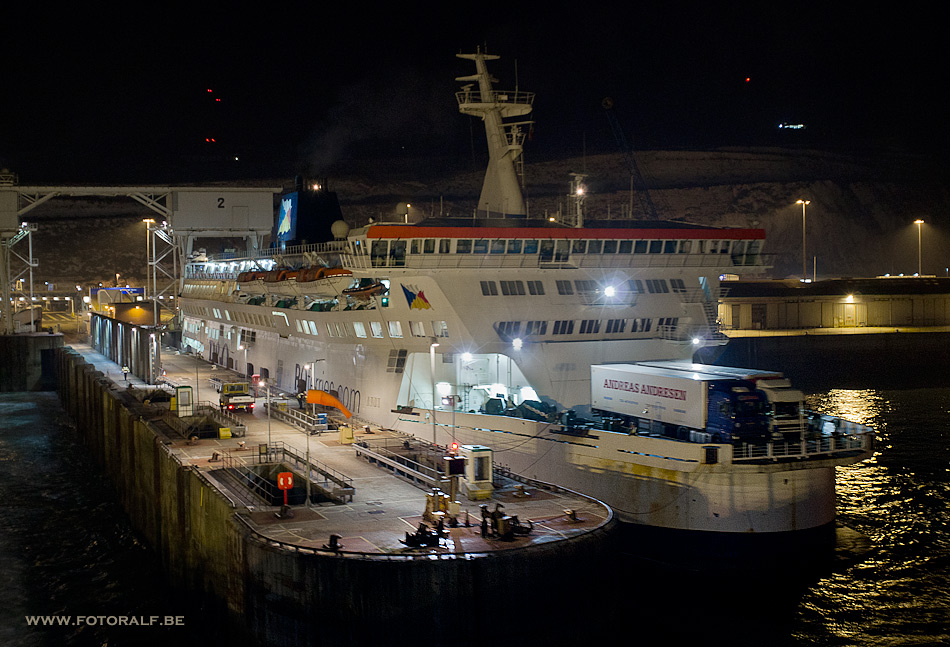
(287,218)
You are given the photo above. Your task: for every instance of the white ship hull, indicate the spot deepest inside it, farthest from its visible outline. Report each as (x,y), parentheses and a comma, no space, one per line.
(387,381)
(499,314)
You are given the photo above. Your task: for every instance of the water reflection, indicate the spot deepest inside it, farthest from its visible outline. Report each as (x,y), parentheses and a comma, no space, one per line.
(900,499)
(864,406)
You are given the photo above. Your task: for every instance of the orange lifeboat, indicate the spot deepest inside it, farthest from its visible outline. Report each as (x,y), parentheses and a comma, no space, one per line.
(365,291)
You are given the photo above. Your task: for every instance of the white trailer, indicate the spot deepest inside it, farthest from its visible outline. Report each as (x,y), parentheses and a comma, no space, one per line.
(669,396)
(787,404)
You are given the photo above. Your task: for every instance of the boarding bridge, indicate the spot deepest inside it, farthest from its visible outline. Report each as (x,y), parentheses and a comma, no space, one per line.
(183,214)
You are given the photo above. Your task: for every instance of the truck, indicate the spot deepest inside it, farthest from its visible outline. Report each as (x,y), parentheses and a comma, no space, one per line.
(788,419)
(686,405)
(236,395)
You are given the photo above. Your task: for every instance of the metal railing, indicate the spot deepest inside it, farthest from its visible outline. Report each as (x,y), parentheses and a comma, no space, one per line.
(297,417)
(249,479)
(185,425)
(400,465)
(459,553)
(572,261)
(519,261)
(467,97)
(826,436)
(281,452)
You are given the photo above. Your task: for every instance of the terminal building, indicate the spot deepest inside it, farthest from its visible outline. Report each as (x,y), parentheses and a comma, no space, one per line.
(790,305)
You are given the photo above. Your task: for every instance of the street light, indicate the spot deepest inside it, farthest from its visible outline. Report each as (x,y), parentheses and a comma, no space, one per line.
(432,348)
(313,380)
(244,370)
(803,203)
(267,406)
(918,222)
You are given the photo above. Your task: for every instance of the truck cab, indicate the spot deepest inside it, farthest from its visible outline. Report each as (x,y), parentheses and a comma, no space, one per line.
(235,395)
(786,407)
(737,412)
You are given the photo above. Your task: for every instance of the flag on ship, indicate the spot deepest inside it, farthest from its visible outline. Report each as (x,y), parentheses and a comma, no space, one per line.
(417,300)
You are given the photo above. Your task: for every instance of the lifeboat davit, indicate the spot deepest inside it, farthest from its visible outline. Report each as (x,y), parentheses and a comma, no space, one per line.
(323,281)
(251,282)
(280,281)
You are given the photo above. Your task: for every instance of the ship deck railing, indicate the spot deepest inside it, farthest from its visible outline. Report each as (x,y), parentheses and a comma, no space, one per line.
(502,261)
(477,97)
(525,261)
(830,436)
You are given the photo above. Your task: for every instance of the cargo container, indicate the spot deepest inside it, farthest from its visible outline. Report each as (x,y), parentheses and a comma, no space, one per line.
(697,406)
(788,419)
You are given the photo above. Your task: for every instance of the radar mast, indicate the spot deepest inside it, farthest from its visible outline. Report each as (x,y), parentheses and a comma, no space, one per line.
(501,190)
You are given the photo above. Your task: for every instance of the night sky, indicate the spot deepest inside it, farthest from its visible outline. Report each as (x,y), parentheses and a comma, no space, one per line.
(300,90)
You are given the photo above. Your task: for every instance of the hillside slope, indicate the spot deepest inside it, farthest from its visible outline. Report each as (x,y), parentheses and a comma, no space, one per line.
(859,222)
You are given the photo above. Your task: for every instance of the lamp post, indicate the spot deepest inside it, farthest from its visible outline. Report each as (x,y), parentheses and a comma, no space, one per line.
(267,406)
(918,222)
(313,380)
(244,369)
(197,401)
(432,348)
(804,203)
(307,432)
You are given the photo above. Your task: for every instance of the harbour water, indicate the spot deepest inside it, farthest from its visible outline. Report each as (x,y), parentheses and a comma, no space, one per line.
(67,549)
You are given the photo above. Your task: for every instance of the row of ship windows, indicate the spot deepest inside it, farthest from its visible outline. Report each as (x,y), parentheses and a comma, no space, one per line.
(307,327)
(439,328)
(375,329)
(506,329)
(564,287)
(393,329)
(558,249)
(513,329)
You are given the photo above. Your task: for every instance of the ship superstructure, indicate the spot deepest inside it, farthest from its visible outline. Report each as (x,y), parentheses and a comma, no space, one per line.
(484,332)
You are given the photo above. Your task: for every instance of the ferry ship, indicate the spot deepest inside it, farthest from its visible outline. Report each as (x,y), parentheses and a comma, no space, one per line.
(483,332)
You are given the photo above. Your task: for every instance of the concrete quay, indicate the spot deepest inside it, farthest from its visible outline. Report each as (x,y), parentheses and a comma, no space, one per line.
(276,577)
(383,508)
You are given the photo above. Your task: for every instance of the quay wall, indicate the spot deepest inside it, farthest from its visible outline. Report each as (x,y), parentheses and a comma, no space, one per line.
(272,593)
(25,361)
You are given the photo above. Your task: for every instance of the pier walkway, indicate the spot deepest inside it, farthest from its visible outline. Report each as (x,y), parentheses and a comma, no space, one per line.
(382,509)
